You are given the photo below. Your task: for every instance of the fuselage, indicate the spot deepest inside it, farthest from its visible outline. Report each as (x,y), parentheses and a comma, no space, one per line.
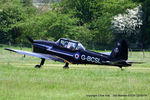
(73,56)
(70,51)
(80,56)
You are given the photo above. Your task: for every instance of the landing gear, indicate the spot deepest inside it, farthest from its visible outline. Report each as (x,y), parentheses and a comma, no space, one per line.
(42,63)
(37,66)
(121,68)
(66,66)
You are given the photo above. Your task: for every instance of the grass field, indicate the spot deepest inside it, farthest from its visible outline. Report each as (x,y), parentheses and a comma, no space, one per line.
(19,80)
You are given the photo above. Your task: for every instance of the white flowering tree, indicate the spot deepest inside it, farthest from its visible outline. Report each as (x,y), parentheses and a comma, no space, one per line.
(128,23)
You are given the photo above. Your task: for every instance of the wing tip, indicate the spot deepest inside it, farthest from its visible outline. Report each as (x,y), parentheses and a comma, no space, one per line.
(9,49)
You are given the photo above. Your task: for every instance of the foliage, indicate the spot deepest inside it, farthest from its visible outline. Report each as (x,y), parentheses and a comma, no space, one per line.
(52,26)
(87,21)
(85,10)
(26,2)
(128,23)
(146,26)
(8,17)
(96,15)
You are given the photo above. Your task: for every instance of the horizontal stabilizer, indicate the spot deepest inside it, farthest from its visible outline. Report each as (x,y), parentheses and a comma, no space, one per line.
(132,62)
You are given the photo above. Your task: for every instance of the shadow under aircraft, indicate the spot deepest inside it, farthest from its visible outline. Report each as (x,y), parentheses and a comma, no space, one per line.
(73,52)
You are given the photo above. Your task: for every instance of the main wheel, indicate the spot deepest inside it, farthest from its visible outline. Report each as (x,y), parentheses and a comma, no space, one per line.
(121,68)
(37,66)
(65,67)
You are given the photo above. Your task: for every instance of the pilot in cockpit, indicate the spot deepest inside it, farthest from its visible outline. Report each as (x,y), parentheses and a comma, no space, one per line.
(66,44)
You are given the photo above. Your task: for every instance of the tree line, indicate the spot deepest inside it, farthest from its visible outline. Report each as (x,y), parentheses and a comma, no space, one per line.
(87,21)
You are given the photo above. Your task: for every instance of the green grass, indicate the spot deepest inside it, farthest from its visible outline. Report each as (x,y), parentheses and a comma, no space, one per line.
(19,80)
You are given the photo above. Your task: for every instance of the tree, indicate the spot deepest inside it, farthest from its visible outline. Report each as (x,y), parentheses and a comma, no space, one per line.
(88,21)
(146,24)
(27,2)
(85,10)
(9,16)
(129,23)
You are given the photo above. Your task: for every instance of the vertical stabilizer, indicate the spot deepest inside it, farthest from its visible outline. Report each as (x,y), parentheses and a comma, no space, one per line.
(120,52)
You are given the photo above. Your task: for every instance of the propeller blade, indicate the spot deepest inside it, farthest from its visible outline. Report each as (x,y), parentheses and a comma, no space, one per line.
(29,38)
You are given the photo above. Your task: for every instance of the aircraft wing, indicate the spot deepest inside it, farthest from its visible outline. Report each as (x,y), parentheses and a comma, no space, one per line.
(39,55)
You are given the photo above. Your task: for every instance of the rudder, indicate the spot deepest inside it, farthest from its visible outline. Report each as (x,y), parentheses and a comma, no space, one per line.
(120,52)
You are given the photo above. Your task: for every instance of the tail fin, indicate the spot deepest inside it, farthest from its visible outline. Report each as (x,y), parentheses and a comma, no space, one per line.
(120,52)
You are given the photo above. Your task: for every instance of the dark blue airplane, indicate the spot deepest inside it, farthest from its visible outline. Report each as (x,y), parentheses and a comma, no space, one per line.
(73,52)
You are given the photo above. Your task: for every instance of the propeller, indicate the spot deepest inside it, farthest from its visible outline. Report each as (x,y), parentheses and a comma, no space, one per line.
(29,38)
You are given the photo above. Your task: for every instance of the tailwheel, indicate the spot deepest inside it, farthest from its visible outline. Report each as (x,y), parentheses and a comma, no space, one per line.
(66,66)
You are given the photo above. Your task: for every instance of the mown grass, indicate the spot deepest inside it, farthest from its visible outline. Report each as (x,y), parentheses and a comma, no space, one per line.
(19,80)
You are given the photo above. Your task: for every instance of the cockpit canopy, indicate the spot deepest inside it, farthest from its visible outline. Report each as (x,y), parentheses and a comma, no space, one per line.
(70,44)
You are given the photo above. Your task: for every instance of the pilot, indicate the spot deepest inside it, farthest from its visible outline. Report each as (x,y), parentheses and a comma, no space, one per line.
(62,44)
(72,46)
(66,44)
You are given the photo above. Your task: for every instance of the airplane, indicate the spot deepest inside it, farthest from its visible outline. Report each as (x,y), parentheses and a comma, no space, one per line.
(73,52)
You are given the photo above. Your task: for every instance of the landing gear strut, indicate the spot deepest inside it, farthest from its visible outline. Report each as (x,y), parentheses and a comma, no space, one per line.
(66,66)
(42,63)
(121,68)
